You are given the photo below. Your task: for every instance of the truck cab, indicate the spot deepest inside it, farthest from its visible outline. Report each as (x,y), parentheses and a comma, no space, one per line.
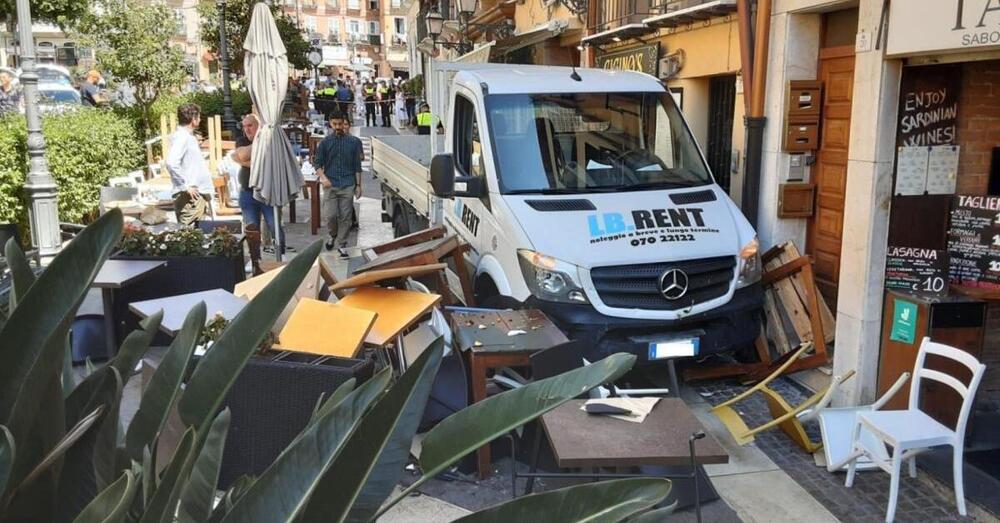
(583,193)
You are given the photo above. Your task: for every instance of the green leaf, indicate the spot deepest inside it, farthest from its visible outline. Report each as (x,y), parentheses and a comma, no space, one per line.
(237,489)
(219,368)
(324,406)
(6,455)
(136,344)
(64,445)
(371,462)
(481,423)
(593,502)
(111,505)
(164,503)
(280,494)
(655,516)
(68,380)
(199,493)
(161,393)
(149,478)
(20,270)
(33,339)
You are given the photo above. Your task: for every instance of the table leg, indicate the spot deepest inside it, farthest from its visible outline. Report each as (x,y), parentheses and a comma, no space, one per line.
(291,211)
(314,197)
(111,341)
(400,355)
(477,371)
(463,277)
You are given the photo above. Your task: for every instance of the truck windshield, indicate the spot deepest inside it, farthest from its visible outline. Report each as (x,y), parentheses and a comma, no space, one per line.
(592,142)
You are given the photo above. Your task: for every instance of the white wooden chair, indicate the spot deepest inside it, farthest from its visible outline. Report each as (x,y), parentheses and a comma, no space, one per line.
(910,432)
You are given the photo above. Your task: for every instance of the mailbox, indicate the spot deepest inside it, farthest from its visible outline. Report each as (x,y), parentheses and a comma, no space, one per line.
(801,137)
(805,100)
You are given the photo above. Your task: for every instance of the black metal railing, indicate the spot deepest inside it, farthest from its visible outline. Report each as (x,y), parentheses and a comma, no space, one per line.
(611,14)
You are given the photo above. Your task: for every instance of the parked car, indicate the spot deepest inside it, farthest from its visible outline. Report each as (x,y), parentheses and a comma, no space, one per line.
(54,74)
(57,96)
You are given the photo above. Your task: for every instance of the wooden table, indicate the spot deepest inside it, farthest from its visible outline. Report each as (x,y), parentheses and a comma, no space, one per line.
(423,248)
(175,308)
(491,348)
(397,311)
(302,333)
(115,274)
(365,279)
(314,191)
(671,436)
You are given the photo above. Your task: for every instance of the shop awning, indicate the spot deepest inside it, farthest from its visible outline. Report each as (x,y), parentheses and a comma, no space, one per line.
(617,34)
(396,65)
(691,14)
(535,35)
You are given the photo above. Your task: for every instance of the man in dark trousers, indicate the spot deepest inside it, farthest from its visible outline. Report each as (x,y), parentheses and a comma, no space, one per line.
(338,163)
(370,100)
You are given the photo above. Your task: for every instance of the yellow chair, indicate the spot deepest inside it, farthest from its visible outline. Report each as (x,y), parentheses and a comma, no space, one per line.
(784,415)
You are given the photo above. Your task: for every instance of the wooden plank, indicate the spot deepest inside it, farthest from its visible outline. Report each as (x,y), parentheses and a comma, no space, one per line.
(423,236)
(829,322)
(775,326)
(789,300)
(375,276)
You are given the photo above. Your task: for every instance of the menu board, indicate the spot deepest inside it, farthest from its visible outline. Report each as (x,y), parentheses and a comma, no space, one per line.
(920,271)
(974,241)
(928,105)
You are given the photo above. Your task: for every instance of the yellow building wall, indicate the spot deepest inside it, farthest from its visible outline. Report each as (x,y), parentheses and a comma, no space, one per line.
(533,13)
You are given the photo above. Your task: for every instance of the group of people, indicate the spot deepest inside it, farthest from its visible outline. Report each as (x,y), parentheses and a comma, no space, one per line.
(338,161)
(380,101)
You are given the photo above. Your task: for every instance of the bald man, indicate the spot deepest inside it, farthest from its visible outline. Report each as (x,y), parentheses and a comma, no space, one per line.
(253,210)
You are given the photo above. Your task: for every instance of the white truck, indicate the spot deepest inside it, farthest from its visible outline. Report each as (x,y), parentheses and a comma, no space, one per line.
(581,193)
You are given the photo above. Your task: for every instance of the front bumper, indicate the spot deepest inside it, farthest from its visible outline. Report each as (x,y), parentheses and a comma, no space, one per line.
(725,328)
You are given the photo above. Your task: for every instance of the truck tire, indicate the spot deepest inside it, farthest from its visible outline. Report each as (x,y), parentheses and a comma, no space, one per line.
(400,225)
(487,296)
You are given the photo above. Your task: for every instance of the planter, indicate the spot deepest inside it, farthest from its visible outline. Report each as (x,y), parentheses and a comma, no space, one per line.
(272,401)
(181,275)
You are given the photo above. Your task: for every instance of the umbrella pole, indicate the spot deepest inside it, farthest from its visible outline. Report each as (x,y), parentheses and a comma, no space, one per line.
(277,233)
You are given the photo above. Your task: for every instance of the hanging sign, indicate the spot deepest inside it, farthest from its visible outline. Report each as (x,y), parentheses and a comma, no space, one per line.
(942,26)
(920,271)
(974,241)
(642,59)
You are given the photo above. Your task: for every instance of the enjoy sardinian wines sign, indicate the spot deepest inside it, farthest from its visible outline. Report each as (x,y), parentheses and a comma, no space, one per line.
(942,26)
(928,106)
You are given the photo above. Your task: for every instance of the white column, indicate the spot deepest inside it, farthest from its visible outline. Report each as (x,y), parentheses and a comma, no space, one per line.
(866,214)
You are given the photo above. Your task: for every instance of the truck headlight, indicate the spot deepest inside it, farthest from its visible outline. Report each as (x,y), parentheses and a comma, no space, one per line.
(750,264)
(550,279)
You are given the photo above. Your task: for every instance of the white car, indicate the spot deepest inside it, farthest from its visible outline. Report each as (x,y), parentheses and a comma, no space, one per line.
(57,96)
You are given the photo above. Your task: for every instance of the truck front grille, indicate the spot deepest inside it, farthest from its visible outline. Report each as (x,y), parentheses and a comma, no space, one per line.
(638,286)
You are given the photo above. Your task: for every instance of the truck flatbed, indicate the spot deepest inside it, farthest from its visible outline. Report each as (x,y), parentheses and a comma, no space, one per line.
(402,163)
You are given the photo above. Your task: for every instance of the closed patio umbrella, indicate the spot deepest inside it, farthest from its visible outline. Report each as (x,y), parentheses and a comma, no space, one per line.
(274,172)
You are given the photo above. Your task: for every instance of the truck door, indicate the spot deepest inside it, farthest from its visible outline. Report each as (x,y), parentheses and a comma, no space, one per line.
(471,216)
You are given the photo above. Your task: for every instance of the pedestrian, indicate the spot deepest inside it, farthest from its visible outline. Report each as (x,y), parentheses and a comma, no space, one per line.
(370,101)
(192,183)
(90,93)
(338,165)
(386,96)
(401,118)
(10,95)
(345,99)
(253,210)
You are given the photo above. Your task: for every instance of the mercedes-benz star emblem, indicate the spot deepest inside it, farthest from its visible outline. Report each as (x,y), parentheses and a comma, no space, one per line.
(674,284)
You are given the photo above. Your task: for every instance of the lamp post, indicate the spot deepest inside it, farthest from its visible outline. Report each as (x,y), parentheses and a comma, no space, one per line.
(466,8)
(40,187)
(228,119)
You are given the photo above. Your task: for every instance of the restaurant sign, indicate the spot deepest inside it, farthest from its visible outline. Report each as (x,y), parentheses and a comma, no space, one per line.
(943,26)
(641,59)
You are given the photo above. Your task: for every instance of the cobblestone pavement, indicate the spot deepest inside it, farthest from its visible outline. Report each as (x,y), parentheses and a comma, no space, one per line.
(867,500)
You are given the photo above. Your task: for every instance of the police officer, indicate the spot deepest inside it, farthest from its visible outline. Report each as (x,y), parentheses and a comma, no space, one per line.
(424,119)
(385,96)
(370,100)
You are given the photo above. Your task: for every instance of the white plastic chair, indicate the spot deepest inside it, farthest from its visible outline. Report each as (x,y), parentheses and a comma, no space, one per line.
(910,432)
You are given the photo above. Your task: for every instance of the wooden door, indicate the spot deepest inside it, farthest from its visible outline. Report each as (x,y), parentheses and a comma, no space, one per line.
(825,230)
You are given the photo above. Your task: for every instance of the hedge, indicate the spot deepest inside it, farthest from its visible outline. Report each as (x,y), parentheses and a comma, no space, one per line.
(210,104)
(84,148)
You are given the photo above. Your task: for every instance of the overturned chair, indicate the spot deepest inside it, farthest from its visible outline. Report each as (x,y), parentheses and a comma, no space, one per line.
(785,416)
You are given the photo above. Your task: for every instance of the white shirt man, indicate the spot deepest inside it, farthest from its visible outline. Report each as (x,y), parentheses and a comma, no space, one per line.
(192,183)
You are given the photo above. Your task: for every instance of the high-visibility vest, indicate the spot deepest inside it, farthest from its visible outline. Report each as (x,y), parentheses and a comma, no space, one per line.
(369,90)
(329,91)
(424,119)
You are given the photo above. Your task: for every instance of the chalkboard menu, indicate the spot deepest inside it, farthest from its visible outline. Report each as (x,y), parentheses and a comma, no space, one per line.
(920,271)
(974,241)
(928,105)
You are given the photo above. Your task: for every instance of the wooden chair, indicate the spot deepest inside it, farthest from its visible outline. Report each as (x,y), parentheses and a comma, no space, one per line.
(784,415)
(910,432)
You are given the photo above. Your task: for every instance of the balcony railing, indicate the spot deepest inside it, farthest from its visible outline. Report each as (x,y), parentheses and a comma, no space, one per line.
(612,14)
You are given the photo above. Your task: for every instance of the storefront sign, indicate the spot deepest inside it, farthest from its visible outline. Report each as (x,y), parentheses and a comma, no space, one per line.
(943,26)
(904,321)
(641,59)
(921,271)
(974,241)
(928,105)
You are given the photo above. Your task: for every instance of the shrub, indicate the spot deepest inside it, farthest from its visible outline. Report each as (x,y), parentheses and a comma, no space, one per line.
(183,242)
(210,104)
(84,148)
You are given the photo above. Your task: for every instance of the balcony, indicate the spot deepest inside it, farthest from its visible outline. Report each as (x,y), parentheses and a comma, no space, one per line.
(615,20)
(607,15)
(672,13)
(398,40)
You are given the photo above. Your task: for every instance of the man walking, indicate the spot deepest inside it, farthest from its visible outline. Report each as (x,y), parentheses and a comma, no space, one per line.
(192,184)
(338,161)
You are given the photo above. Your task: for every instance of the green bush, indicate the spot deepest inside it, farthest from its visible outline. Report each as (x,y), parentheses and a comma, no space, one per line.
(210,104)
(84,148)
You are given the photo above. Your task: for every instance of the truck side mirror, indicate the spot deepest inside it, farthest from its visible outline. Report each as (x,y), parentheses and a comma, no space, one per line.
(443,175)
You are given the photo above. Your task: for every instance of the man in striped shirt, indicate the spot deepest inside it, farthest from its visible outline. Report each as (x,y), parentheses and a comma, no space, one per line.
(338,161)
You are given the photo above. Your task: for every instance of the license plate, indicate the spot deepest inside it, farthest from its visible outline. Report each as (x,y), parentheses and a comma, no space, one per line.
(679,348)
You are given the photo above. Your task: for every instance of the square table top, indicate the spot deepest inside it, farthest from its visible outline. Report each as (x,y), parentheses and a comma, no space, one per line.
(371,277)
(115,274)
(486,330)
(434,249)
(326,329)
(397,310)
(175,308)
(581,440)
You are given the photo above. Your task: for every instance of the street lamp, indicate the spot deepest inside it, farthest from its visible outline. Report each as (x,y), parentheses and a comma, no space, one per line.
(466,8)
(40,187)
(435,23)
(228,119)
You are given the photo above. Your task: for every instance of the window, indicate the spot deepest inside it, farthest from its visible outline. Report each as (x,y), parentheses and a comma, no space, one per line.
(355,27)
(373,28)
(396,4)
(310,23)
(354,4)
(180,21)
(468,147)
(399,25)
(373,5)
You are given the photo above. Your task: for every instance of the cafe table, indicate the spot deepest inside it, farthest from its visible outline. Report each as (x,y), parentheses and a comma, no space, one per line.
(175,308)
(397,311)
(116,274)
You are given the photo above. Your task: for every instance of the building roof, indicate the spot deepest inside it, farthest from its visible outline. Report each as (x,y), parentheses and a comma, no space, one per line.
(517,79)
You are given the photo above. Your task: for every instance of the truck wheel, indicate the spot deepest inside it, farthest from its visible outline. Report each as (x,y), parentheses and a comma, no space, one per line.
(400,227)
(499,301)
